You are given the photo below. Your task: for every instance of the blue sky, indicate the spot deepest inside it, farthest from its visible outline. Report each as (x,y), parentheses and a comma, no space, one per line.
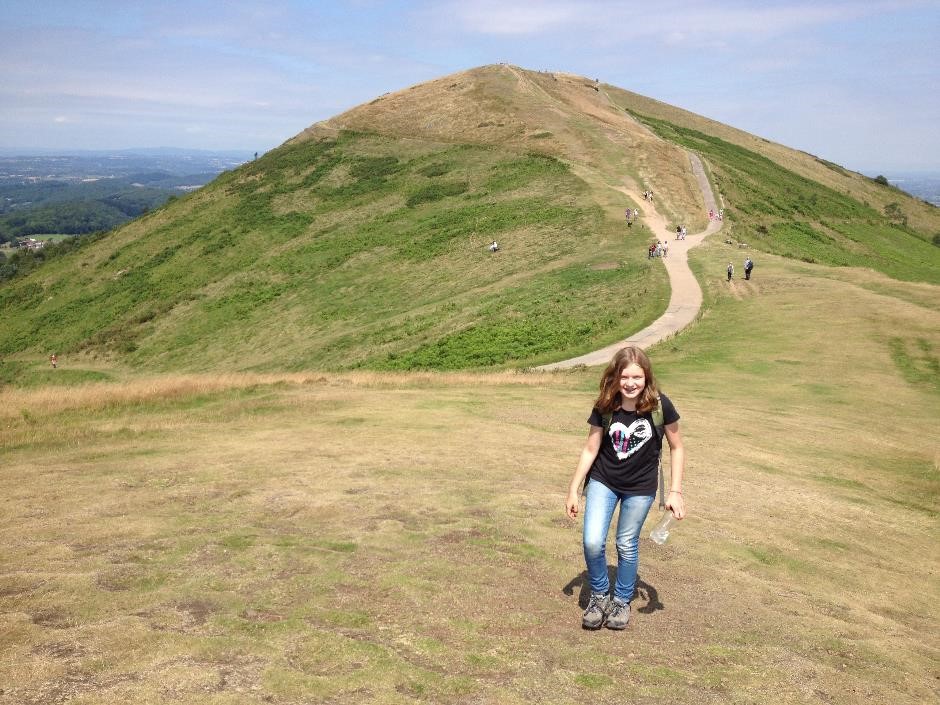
(852,81)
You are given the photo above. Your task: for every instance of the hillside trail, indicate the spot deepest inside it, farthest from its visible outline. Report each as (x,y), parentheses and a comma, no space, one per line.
(685,300)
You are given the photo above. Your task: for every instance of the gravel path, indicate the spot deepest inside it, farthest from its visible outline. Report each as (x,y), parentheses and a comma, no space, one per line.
(686,298)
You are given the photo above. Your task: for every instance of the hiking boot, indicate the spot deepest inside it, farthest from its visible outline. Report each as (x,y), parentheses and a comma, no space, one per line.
(619,615)
(596,613)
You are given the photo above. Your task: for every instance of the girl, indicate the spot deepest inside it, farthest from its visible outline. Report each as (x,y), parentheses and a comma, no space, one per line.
(620,463)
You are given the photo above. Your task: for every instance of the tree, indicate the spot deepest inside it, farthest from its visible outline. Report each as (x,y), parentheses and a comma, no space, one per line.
(882,180)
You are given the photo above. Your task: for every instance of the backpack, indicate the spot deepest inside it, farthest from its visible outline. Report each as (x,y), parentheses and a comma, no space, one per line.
(659,430)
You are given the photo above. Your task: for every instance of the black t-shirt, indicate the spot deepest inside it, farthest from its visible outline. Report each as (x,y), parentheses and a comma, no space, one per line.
(628,459)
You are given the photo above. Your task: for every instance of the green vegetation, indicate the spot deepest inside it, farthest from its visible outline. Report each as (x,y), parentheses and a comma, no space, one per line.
(83,194)
(232,534)
(362,250)
(229,537)
(22,262)
(373,249)
(781,212)
(76,218)
(92,208)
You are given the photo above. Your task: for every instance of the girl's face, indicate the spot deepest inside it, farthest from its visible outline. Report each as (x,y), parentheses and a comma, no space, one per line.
(632,384)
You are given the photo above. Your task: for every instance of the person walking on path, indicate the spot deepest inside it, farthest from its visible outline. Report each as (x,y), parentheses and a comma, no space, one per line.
(620,465)
(685,298)
(748,266)
(730,271)
(54,360)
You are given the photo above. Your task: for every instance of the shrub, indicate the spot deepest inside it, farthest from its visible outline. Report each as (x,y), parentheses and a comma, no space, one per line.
(435,192)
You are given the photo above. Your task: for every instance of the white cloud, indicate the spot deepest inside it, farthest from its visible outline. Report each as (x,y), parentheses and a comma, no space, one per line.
(605,22)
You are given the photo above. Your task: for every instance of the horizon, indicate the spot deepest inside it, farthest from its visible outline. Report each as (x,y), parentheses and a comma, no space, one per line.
(51,153)
(833,78)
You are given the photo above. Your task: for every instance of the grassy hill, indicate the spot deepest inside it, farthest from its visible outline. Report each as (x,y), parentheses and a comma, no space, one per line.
(228,537)
(362,241)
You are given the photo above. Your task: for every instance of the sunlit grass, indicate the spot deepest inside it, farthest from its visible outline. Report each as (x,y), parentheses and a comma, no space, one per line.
(386,537)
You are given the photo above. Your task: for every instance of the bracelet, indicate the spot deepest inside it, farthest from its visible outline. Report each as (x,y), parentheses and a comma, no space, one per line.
(675,492)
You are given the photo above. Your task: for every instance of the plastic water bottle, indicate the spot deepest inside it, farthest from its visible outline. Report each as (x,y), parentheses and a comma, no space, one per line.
(660,532)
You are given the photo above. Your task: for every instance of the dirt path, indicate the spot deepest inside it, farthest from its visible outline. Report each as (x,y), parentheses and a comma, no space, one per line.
(686,298)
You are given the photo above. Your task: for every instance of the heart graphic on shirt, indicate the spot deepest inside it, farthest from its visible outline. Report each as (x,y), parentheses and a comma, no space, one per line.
(628,440)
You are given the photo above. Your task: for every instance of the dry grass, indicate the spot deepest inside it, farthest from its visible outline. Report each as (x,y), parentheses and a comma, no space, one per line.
(556,113)
(387,538)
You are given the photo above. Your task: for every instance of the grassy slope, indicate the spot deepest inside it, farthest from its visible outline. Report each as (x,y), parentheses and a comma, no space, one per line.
(780,211)
(351,249)
(923,217)
(348,251)
(554,113)
(232,539)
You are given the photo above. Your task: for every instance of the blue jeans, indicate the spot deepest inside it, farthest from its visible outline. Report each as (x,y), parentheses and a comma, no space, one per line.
(598,512)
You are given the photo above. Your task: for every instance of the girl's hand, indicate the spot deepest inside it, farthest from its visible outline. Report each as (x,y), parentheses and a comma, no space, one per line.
(572,505)
(676,504)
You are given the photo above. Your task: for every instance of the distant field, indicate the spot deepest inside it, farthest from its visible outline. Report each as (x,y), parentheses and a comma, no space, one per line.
(925,185)
(87,193)
(397,538)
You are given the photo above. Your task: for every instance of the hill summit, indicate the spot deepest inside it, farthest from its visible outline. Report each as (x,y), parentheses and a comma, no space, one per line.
(363,241)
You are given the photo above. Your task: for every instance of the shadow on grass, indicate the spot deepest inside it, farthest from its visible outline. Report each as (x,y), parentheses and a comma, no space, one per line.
(643,591)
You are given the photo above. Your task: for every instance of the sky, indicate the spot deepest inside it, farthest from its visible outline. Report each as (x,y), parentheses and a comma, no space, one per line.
(856,82)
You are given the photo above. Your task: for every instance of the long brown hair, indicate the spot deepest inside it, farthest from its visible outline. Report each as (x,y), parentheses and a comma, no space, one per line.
(609,399)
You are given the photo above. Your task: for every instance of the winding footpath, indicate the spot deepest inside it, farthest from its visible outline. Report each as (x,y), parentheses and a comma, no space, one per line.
(686,298)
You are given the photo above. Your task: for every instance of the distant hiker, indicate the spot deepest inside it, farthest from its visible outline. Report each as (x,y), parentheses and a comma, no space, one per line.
(54,360)
(636,212)
(748,266)
(678,232)
(652,252)
(494,247)
(620,465)
(683,232)
(629,215)
(665,247)
(730,271)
